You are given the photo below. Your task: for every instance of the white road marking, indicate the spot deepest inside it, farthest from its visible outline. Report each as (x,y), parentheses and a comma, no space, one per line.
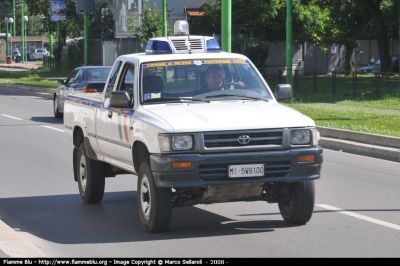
(13,117)
(54,128)
(49,127)
(359,216)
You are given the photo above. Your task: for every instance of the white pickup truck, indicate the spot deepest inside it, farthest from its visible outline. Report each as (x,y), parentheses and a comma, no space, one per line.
(159,119)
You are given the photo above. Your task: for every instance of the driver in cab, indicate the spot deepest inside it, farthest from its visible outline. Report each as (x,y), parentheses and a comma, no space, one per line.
(215,79)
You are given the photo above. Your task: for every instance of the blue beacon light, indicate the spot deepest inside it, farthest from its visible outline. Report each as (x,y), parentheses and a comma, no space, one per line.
(213,46)
(159,47)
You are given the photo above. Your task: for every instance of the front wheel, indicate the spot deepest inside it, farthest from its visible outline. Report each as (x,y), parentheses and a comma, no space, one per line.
(91,177)
(155,204)
(297,203)
(57,113)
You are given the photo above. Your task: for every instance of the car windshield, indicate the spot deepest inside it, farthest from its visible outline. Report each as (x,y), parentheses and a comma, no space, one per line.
(97,74)
(204,80)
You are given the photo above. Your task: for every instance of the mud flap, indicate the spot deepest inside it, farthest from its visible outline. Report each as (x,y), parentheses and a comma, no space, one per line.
(74,155)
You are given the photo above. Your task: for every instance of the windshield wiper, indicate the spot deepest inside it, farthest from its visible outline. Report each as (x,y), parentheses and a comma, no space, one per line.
(237,95)
(168,99)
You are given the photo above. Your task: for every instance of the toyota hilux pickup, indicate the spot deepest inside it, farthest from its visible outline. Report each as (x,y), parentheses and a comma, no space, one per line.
(157,119)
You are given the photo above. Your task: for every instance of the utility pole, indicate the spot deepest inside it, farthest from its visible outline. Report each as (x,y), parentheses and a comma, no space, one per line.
(59,35)
(41,17)
(85,7)
(226,23)
(86,39)
(164,17)
(289,42)
(22,34)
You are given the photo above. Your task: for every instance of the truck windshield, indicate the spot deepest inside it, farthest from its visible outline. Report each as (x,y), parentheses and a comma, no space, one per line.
(176,81)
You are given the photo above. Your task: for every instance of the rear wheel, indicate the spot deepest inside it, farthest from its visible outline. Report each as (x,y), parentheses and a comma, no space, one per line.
(56,110)
(155,204)
(297,203)
(91,177)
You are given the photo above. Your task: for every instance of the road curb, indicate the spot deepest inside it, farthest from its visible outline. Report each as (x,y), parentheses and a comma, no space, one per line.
(379,152)
(21,66)
(27,90)
(15,246)
(361,137)
(366,144)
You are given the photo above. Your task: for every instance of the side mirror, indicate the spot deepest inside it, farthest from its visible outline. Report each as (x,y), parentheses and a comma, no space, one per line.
(283,92)
(120,99)
(60,81)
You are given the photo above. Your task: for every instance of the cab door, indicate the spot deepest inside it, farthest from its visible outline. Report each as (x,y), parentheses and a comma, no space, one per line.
(113,126)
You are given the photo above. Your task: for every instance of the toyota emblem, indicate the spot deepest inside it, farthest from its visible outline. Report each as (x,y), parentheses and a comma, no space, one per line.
(244,139)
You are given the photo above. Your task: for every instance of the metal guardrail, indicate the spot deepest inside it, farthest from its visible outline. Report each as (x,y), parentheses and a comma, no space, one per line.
(383,83)
(50,63)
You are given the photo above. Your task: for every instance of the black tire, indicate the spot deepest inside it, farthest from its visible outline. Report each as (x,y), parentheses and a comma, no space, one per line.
(298,204)
(57,113)
(154,204)
(91,177)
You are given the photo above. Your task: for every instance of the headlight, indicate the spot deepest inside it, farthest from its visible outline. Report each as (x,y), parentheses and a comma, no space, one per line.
(180,143)
(176,143)
(300,136)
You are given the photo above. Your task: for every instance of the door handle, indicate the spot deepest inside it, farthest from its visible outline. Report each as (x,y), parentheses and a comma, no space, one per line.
(109,114)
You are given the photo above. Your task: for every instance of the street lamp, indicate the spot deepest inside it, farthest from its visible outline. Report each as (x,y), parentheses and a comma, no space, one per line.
(10,21)
(22,32)
(7,48)
(25,51)
(41,17)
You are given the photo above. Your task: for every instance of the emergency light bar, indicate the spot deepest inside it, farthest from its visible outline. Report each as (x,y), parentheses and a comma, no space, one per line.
(182,43)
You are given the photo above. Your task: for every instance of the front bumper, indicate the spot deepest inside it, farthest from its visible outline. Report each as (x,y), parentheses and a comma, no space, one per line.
(212,169)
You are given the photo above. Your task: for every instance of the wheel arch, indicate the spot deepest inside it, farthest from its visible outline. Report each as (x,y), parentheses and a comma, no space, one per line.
(77,136)
(140,153)
(77,139)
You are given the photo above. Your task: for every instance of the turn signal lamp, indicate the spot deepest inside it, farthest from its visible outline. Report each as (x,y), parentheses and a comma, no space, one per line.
(181,165)
(306,158)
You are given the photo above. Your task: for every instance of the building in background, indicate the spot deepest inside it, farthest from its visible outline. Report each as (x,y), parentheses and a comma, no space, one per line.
(125,9)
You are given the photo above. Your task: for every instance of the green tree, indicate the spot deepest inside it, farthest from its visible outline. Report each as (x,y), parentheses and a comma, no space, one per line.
(382,14)
(315,21)
(348,20)
(74,25)
(151,23)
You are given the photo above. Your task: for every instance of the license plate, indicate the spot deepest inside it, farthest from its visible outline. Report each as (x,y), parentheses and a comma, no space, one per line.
(246,170)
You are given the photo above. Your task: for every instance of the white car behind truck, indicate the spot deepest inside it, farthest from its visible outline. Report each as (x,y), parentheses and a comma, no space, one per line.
(187,146)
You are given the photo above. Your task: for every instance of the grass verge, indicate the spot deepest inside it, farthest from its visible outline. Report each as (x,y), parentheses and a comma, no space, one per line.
(35,77)
(366,103)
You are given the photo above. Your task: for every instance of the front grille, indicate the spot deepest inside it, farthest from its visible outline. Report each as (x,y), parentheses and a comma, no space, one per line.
(220,171)
(258,138)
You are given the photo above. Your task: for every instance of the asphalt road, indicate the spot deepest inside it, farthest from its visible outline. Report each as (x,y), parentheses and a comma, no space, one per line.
(356,214)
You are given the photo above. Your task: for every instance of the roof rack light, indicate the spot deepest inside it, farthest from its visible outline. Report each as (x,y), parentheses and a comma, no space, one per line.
(213,46)
(158,47)
(181,28)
